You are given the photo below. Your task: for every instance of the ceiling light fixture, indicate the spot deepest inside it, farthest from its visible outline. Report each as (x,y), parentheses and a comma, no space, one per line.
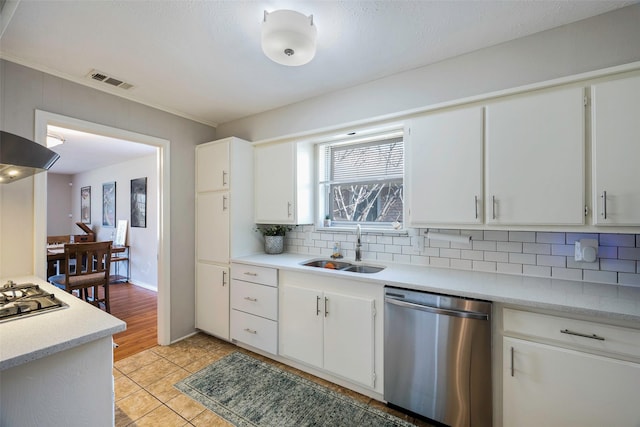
(53,140)
(288,37)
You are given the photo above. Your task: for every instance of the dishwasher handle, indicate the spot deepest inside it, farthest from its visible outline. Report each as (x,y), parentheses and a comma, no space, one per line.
(437,310)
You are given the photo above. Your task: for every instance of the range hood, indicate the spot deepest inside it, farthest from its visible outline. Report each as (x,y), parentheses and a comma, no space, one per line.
(20,158)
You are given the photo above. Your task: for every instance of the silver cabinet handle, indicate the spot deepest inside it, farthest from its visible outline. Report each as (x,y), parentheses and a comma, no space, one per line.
(224,278)
(512,368)
(326,306)
(493,207)
(224,203)
(224,177)
(251,331)
(289,209)
(578,334)
(251,299)
(248,273)
(475,205)
(604,204)
(317,305)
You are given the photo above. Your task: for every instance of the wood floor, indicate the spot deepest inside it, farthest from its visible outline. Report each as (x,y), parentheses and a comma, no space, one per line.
(139,308)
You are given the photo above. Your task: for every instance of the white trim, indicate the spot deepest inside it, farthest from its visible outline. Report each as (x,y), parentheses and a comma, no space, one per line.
(42,120)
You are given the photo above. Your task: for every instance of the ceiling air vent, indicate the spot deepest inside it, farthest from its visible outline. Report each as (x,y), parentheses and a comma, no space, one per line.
(107,79)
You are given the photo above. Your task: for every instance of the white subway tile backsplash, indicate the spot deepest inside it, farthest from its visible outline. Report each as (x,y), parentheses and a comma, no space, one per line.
(484,266)
(608,252)
(556,238)
(564,250)
(629,279)
(551,260)
(536,248)
(483,245)
(536,270)
(600,276)
(461,264)
(518,258)
(617,240)
(544,254)
(522,236)
(509,246)
(472,255)
(566,273)
(498,236)
(496,256)
(450,253)
(509,268)
(438,262)
(629,253)
(623,266)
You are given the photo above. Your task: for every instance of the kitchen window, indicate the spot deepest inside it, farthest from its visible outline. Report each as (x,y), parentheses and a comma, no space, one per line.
(361,180)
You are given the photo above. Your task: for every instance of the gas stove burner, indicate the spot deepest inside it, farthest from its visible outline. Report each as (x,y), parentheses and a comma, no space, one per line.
(21,300)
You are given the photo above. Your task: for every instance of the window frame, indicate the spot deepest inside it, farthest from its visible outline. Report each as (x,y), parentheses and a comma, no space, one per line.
(323,184)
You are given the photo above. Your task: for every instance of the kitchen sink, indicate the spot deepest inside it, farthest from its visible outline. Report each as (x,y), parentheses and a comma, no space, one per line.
(363,269)
(342,266)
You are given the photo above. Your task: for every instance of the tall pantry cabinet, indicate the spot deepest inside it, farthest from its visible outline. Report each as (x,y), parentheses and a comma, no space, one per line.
(224,226)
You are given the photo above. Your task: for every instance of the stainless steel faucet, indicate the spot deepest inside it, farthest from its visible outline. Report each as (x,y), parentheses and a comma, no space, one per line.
(358,243)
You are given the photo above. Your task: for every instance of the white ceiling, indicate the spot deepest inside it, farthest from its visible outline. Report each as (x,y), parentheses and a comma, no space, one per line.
(202,59)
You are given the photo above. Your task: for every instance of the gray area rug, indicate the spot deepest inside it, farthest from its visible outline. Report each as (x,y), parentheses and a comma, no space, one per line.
(248,392)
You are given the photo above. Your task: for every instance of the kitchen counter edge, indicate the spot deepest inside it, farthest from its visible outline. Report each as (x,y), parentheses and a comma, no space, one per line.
(575,297)
(30,338)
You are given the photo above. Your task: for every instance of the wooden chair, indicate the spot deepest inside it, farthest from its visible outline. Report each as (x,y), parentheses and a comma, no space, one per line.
(93,262)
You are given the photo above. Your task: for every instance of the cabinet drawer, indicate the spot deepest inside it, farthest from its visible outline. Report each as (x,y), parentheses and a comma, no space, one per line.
(255,299)
(253,273)
(255,331)
(585,334)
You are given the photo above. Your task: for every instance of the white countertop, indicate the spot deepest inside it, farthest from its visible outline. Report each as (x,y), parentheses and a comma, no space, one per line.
(26,339)
(604,301)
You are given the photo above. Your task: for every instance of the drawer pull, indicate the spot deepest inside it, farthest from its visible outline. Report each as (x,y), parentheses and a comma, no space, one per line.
(248,273)
(251,299)
(251,331)
(578,334)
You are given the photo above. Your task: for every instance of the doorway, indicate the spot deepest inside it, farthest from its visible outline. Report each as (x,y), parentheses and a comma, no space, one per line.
(45,119)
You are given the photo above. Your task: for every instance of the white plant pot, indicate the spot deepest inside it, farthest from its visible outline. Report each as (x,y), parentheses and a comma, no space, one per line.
(274,244)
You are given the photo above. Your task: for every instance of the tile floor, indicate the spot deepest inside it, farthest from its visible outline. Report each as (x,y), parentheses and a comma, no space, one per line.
(145,395)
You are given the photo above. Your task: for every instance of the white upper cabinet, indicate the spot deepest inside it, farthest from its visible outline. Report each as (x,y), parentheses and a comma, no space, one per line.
(283,184)
(212,167)
(444,164)
(616,152)
(535,159)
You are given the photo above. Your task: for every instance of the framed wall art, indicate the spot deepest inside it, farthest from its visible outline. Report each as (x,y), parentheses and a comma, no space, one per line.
(85,205)
(109,204)
(139,202)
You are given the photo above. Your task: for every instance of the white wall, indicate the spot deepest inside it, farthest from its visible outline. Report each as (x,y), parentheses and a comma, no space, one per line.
(595,43)
(59,209)
(24,91)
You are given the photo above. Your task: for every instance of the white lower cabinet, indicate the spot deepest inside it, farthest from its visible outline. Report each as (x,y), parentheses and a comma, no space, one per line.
(212,299)
(331,329)
(254,306)
(547,384)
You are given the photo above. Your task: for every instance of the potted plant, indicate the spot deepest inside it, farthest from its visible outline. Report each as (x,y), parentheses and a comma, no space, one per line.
(327,221)
(273,237)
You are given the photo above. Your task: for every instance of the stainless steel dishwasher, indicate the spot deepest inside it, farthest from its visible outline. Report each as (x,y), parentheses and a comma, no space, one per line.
(437,356)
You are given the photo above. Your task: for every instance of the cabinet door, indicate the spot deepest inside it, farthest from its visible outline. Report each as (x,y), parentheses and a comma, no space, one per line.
(616,152)
(275,183)
(212,167)
(445,168)
(553,386)
(349,337)
(535,159)
(213,227)
(301,319)
(212,299)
